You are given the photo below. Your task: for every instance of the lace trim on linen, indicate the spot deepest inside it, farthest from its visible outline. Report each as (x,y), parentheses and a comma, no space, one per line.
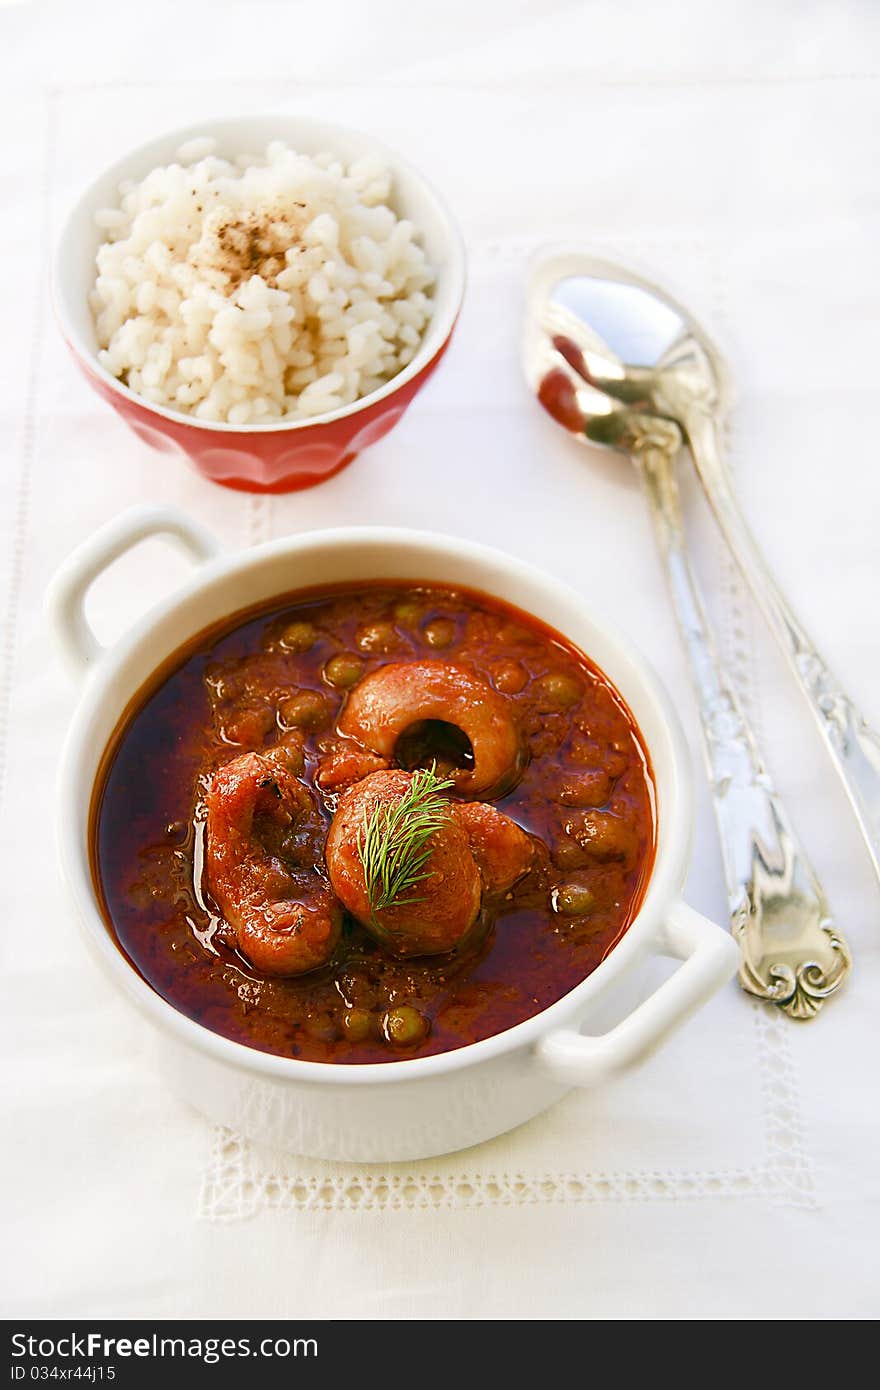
(236,1186)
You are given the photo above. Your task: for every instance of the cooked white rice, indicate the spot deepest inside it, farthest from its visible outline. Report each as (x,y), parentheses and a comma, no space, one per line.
(258,289)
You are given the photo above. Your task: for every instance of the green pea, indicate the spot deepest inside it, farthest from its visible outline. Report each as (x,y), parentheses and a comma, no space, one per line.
(307,709)
(559,689)
(440,633)
(573,899)
(377,637)
(568,854)
(605,836)
(141,895)
(407,612)
(289,752)
(509,677)
(404,1026)
(343,671)
(357,1024)
(298,637)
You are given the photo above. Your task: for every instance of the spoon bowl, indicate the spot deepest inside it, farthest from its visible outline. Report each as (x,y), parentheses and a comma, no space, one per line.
(624,336)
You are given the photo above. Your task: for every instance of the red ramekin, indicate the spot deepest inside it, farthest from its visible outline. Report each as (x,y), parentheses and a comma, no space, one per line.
(278,456)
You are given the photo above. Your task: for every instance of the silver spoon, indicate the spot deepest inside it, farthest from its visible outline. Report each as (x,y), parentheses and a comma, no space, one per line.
(642,348)
(790,952)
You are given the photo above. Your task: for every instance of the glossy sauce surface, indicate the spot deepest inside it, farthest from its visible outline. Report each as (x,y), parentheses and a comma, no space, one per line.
(585,793)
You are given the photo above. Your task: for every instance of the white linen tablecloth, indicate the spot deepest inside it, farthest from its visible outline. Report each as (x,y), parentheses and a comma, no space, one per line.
(730,149)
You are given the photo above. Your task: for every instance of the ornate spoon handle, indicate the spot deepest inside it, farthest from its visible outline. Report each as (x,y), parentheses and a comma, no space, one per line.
(790,952)
(852,743)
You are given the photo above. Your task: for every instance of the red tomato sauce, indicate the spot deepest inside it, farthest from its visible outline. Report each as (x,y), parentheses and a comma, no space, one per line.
(586,793)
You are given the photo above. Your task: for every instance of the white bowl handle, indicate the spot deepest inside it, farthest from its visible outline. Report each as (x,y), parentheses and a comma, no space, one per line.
(710,958)
(65,599)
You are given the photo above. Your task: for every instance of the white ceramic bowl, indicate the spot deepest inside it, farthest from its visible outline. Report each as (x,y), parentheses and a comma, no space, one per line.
(429,1105)
(277,456)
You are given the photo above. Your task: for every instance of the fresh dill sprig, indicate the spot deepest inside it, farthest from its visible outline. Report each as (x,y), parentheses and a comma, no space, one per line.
(393,841)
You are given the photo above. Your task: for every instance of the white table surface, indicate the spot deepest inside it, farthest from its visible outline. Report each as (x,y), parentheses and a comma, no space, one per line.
(731,148)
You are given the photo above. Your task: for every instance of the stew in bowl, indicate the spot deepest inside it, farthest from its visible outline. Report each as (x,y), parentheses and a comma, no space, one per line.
(372,822)
(370,848)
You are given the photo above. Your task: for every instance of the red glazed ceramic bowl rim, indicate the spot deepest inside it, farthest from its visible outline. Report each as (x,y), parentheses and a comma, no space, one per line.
(73,265)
